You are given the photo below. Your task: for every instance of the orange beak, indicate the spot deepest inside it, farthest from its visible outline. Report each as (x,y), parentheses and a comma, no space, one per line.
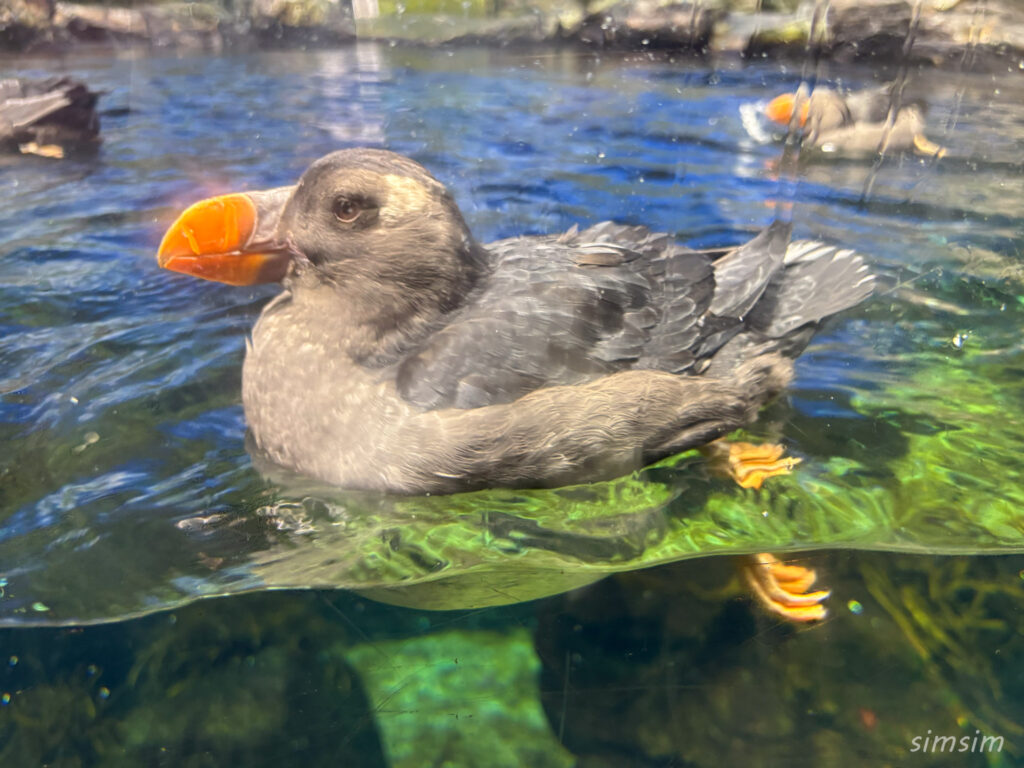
(780,109)
(223,239)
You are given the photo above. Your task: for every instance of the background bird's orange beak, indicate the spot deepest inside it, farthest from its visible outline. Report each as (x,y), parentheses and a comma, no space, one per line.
(780,109)
(221,238)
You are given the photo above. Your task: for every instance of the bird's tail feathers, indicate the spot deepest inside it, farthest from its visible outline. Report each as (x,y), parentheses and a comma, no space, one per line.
(819,280)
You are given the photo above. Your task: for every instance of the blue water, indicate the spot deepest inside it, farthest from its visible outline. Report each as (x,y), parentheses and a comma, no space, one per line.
(120,418)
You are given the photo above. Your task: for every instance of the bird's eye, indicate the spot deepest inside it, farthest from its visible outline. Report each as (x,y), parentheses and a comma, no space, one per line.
(346,210)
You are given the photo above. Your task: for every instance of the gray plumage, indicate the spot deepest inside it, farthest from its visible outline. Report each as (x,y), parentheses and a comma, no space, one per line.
(404,356)
(563,310)
(856,123)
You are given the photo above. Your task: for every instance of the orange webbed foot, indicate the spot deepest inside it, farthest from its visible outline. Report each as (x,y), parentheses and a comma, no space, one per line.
(782,589)
(748,464)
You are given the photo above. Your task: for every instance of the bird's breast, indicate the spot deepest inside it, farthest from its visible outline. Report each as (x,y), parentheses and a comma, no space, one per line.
(309,406)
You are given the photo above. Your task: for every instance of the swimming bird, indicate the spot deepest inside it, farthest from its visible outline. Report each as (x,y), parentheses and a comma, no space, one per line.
(51,117)
(855,123)
(404,356)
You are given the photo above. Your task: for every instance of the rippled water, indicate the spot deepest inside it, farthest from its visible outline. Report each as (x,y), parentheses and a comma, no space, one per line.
(124,482)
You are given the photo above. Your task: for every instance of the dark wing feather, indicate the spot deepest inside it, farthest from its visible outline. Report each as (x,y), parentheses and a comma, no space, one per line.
(742,275)
(563,310)
(872,104)
(568,309)
(818,280)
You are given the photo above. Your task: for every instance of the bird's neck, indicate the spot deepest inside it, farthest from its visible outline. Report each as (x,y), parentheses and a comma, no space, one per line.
(388,309)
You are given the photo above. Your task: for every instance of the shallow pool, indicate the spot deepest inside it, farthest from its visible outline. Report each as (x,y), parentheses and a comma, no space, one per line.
(125,486)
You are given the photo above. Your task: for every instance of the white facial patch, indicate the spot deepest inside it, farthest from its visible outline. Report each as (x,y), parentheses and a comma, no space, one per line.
(405,196)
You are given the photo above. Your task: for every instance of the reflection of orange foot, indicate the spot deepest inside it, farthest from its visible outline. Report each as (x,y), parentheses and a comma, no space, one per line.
(748,464)
(926,147)
(782,589)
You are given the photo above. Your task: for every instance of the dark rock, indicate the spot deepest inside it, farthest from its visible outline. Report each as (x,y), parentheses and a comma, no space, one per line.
(876,30)
(38,25)
(506,33)
(946,32)
(186,25)
(648,25)
(50,117)
(954,33)
(24,23)
(97,23)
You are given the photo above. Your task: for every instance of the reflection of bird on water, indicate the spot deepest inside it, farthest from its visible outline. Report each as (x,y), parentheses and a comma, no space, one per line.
(855,123)
(50,117)
(404,356)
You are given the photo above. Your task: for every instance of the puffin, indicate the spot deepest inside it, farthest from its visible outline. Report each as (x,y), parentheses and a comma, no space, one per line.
(404,356)
(854,124)
(51,117)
